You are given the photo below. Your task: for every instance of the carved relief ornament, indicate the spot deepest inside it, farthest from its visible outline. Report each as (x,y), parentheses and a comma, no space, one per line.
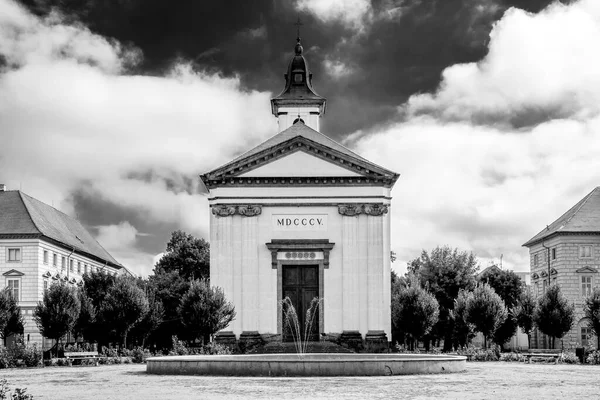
(243,210)
(351,210)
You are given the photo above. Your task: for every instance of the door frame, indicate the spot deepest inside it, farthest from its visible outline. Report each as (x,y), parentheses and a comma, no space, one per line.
(277,245)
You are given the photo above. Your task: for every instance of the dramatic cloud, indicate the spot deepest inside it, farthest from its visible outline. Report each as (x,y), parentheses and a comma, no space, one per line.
(533,71)
(353,14)
(72,120)
(496,134)
(469,177)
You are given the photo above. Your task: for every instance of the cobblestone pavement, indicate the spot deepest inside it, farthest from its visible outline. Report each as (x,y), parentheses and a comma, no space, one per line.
(490,380)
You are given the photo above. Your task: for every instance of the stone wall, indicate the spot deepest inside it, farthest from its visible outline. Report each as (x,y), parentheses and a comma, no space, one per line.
(567,262)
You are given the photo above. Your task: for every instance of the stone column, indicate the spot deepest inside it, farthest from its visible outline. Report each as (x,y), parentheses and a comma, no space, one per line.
(249,274)
(375,272)
(349,273)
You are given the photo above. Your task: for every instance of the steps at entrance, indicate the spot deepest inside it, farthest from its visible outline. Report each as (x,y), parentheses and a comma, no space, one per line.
(288,347)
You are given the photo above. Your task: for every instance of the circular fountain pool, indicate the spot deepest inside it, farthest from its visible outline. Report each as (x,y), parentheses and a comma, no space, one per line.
(311,364)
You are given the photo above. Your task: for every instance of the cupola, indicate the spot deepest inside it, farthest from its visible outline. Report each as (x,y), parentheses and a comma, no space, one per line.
(298,99)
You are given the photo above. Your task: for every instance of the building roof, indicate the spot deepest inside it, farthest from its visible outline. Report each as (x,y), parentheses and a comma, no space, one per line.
(299,136)
(22,215)
(583,217)
(299,129)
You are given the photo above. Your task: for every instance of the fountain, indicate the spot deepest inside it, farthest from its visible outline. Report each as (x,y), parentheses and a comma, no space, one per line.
(306,364)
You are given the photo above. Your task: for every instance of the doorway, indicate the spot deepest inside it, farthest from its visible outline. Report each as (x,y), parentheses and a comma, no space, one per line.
(301,284)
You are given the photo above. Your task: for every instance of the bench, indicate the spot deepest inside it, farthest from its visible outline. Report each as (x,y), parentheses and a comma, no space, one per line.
(81,355)
(529,356)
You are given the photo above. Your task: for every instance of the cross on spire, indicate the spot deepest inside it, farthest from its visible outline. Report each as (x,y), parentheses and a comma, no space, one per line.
(298,25)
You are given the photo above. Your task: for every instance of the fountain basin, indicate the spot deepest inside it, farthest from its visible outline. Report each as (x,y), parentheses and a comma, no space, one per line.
(312,364)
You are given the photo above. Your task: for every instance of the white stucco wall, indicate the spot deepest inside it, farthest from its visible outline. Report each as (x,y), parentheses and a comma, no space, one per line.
(33,268)
(356,284)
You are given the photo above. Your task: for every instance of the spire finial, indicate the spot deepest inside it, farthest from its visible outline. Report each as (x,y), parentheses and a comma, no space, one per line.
(298,25)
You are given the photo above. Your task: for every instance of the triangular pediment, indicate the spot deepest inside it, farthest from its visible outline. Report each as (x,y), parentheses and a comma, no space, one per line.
(299,164)
(299,160)
(586,270)
(13,272)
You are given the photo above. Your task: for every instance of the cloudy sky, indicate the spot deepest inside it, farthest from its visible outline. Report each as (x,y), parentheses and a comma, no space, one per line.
(489,109)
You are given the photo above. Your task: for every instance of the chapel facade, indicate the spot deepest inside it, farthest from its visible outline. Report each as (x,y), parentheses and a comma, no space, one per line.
(302,217)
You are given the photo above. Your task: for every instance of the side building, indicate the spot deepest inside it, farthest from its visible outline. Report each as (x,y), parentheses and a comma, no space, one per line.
(567,253)
(40,245)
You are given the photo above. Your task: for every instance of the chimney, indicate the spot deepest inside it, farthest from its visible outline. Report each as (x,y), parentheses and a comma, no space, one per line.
(2,187)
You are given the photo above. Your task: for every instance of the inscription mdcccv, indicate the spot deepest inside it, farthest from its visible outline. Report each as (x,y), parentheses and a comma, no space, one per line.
(300,222)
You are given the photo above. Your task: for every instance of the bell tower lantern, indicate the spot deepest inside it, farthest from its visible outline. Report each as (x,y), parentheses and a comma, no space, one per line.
(298,99)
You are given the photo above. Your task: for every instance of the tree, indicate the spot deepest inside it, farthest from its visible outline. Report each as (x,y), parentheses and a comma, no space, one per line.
(187,255)
(444,273)
(509,287)
(125,305)
(87,315)
(96,286)
(414,312)
(485,310)
(554,315)
(524,312)
(11,319)
(463,330)
(57,313)
(153,318)
(204,310)
(592,312)
(169,288)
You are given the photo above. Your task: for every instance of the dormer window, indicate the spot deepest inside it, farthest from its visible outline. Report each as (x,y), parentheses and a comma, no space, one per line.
(297,78)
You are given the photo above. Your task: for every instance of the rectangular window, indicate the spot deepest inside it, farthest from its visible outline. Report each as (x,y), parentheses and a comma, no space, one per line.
(45,286)
(585,251)
(13,288)
(554,253)
(537,289)
(54,259)
(535,259)
(71,265)
(79,267)
(586,286)
(586,333)
(545,286)
(63,263)
(85,268)
(45,256)
(14,255)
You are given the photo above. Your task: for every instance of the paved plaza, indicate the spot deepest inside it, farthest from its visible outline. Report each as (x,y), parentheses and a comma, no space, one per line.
(490,380)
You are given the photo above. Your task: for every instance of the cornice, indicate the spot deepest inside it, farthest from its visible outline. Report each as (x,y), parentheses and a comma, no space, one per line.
(560,233)
(298,181)
(228,175)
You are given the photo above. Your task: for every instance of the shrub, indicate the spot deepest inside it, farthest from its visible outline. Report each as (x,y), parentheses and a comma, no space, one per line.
(20,354)
(18,394)
(480,354)
(215,349)
(109,352)
(593,357)
(568,357)
(139,355)
(511,357)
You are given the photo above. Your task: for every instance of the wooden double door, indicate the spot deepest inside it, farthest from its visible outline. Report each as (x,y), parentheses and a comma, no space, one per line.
(301,285)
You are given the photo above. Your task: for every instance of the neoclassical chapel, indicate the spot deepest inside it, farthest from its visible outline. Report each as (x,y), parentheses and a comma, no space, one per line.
(301,216)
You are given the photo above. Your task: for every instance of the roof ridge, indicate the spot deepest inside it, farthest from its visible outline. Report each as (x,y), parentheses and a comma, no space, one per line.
(48,205)
(28,211)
